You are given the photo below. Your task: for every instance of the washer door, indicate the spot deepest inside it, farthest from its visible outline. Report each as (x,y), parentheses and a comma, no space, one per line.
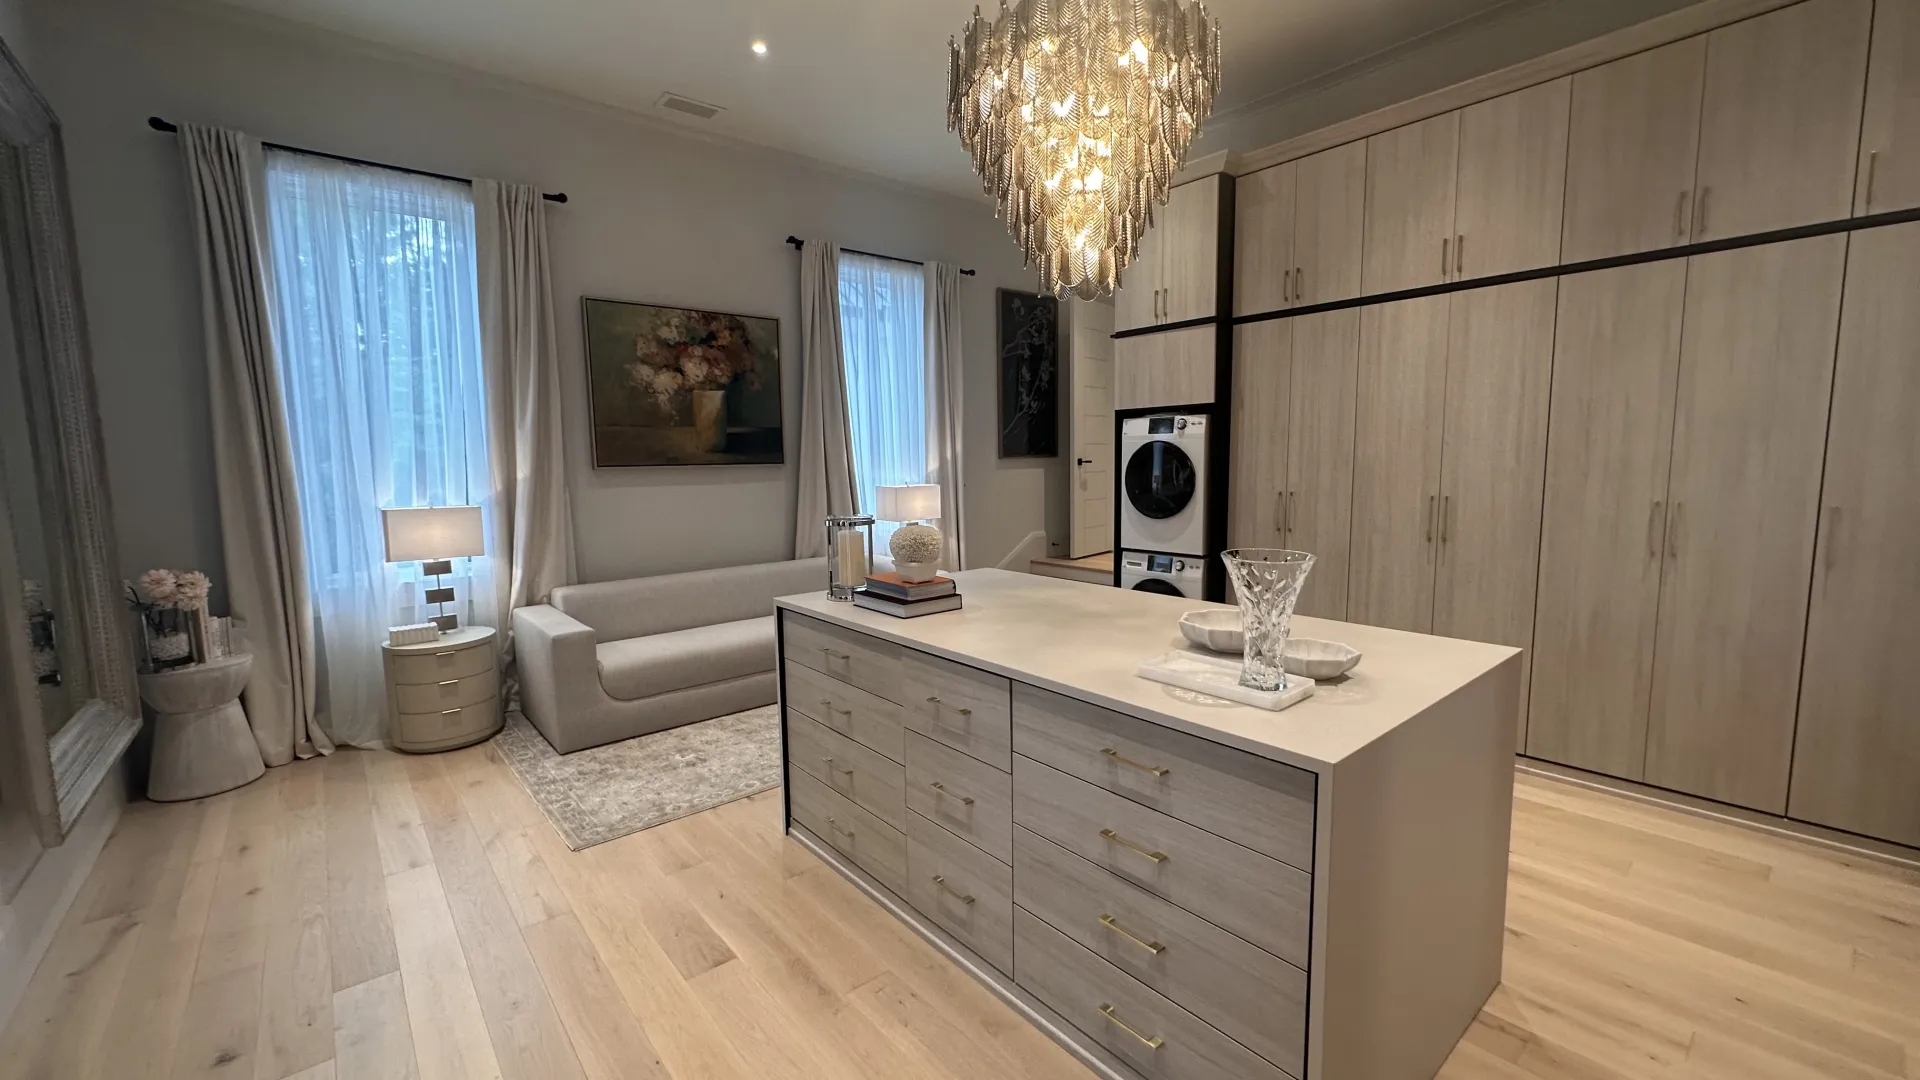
(1159,479)
(1157,585)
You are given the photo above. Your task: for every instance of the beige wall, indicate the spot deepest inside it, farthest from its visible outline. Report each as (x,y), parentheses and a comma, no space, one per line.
(656,215)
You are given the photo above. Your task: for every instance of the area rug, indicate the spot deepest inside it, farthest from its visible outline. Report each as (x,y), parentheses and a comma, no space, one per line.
(592,796)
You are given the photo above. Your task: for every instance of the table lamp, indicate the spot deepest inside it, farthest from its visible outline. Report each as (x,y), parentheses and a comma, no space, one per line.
(916,548)
(434,536)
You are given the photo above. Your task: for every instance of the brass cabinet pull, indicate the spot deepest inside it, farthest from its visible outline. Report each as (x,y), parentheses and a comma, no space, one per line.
(1153,947)
(1653,530)
(1459,255)
(450,712)
(1290,496)
(941,880)
(1700,214)
(1445,244)
(942,789)
(1673,530)
(937,706)
(1429,519)
(837,827)
(1680,216)
(1299,283)
(831,655)
(1873,167)
(835,768)
(1114,756)
(1280,512)
(448,682)
(1446,515)
(1286,286)
(1154,1043)
(1156,856)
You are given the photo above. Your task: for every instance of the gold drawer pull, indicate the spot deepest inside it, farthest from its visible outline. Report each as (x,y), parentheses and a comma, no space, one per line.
(448,682)
(1114,756)
(1154,1043)
(449,652)
(1156,856)
(827,704)
(937,706)
(450,712)
(837,827)
(831,655)
(1153,947)
(941,880)
(835,768)
(942,789)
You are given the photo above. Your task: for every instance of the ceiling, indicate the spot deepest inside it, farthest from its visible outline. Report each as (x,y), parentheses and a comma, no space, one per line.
(859,83)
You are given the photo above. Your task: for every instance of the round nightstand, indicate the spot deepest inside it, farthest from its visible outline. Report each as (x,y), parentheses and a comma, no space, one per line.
(202,744)
(445,693)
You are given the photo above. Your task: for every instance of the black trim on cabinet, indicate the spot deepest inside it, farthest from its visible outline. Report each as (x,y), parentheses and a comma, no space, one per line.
(1220,432)
(1162,328)
(780,681)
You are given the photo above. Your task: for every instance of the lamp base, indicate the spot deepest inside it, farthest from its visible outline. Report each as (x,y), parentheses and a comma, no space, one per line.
(915,572)
(916,549)
(447,623)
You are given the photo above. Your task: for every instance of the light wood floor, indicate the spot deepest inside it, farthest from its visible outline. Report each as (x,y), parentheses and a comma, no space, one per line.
(378,916)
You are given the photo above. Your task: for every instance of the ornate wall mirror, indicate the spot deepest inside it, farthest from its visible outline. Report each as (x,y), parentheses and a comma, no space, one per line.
(67,690)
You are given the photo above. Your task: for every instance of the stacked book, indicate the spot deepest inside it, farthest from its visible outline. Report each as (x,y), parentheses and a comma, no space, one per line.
(903,599)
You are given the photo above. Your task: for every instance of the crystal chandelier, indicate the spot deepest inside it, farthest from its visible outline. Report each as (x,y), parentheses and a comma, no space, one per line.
(1077,114)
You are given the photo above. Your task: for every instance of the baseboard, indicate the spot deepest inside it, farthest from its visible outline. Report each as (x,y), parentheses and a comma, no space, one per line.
(27,925)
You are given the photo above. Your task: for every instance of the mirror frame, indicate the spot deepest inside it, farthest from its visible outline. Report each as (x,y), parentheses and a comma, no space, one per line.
(61,773)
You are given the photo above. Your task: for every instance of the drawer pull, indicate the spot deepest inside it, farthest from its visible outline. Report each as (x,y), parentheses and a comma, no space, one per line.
(1154,1043)
(450,712)
(1153,947)
(936,785)
(837,827)
(449,652)
(941,880)
(937,706)
(831,655)
(1156,856)
(835,768)
(448,682)
(1114,756)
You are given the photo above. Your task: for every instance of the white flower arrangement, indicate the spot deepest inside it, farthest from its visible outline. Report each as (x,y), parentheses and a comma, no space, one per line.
(179,590)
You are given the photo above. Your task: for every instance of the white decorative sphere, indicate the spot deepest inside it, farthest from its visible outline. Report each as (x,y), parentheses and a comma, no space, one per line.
(916,551)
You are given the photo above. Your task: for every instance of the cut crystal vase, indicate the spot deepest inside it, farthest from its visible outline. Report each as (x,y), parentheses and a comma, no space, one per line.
(1266,581)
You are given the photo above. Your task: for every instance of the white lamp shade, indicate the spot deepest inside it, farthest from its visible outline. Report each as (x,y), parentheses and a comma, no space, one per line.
(432,532)
(907,502)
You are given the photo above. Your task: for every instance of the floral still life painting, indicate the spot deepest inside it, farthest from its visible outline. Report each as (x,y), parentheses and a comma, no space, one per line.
(1029,374)
(679,386)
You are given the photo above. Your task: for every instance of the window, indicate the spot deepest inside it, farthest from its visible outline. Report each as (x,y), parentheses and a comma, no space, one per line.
(882,320)
(375,313)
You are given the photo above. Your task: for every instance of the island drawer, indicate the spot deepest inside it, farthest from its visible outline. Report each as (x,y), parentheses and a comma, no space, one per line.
(872,844)
(867,719)
(1252,995)
(964,890)
(1248,799)
(1161,1040)
(1262,900)
(966,708)
(853,770)
(870,663)
(972,799)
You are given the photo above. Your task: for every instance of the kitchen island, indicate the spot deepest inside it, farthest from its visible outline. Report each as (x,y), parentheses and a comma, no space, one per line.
(1172,887)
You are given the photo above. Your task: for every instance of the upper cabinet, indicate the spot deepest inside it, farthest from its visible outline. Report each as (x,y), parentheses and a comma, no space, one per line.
(1410,200)
(1263,223)
(1513,182)
(1889,174)
(1297,231)
(1635,137)
(1176,276)
(1780,119)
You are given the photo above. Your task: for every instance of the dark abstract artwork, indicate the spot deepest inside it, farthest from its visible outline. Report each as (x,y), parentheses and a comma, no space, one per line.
(1029,374)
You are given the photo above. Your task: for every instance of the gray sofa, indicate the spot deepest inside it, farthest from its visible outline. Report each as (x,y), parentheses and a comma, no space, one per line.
(604,662)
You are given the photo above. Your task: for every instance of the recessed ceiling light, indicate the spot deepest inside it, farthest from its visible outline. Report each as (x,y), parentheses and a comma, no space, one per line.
(759,48)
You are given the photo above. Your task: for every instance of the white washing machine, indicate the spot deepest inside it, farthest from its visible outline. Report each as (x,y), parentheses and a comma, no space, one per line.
(1163,484)
(1169,575)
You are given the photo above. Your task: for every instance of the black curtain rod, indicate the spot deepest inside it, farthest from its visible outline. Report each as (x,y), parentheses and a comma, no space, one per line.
(799,243)
(158,124)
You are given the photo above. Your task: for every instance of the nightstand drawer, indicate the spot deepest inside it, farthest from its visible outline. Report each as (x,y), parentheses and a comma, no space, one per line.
(447,693)
(971,799)
(440,664)
(966,708)
(849,768)
(866,718)
(964,890)
(870,663)
(872,844)
(420,733)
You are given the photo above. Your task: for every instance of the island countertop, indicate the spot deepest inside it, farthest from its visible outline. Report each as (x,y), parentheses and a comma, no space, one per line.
(1085,641)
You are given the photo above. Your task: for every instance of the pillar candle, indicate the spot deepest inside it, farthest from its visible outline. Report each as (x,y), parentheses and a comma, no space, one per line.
(851,551)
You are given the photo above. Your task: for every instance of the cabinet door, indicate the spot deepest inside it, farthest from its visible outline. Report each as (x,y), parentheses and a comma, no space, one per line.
(1263,240)
(1410,183)
(1633,142)
(1856,759)
(1190,256)
(1319,514)
(1261,379)
(1136,303)
(1780,118)
(1399,398)
(1749,436)
(1609,442)
(1172,368)
(1499,363)
(1889,172)
(1329,224)
(1513,181)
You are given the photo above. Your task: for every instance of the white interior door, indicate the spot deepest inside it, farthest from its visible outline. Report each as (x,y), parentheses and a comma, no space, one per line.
(1090,519)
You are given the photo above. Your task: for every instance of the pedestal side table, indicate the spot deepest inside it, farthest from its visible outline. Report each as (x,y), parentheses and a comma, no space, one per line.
(202,744)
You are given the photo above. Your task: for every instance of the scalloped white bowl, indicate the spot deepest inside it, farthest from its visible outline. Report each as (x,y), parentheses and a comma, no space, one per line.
(1218,630)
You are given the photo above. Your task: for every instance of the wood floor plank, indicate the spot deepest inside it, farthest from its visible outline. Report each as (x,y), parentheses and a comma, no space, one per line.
(531,888)
(360,942)
(396,817)
(450,1039)
(372,1036)
(63,1018)
(610,1040)
(296,993)
(322,1071)
(221,1026)
(150,1009)
(433,790)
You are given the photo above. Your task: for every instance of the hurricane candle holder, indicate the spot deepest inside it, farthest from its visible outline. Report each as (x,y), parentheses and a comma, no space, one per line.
(1267,582)
(849,554)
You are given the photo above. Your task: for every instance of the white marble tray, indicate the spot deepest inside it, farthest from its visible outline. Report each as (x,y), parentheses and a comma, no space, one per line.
(1219,677)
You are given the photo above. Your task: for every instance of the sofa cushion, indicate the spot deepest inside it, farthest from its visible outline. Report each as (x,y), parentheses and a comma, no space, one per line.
(637,607)
(633,668)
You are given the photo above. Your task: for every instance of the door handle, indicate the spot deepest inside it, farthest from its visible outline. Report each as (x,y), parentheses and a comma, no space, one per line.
(1083,461)
(1289,513)
(1680,216)
(1654,529)
(1286,286)
(1459,255)
(1430,500)
(1299,283)
(1700,214)
(1280,512)
(1446,515)
(1673,529)
(1446,243)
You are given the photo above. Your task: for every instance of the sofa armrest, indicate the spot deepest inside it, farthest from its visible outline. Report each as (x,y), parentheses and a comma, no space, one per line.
(559,668)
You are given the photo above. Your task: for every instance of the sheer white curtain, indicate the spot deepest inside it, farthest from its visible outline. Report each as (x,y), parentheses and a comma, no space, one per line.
(375,311)
(883,340)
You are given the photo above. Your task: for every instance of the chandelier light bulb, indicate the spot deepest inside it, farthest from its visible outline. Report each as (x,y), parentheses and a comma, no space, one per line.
(1077,113)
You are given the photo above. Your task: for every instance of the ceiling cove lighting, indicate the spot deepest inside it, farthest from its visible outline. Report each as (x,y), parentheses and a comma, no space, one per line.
(1077,114)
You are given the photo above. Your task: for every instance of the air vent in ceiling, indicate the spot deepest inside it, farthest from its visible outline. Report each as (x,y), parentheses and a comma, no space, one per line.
(700,109)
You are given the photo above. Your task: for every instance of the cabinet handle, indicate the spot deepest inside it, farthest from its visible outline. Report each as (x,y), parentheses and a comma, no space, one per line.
(1155,1043)
(1673,529)
(1459,254)
(449,652)
(1153,947)
(1299,283)
(1446,515)
(836,826)
(1700,214)
(1156,856)
(965,800)
(448,682)
(1114,756)
(1873,167)
(937,706)
(1653,530)
(1827,558)
(1680,216)
(1286,286)
(941,880)
(1430,500)
(831,767)
(450,712)
(831,655)
(1445,244)
(1280,512)
(1289,513)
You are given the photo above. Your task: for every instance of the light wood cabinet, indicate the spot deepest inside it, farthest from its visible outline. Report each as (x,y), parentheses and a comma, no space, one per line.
(1329,224)
(1174,368)
(1615,366)
(1512,182)
(1263,226)
(1888,177)
(1780,118)
(1756,365)
(1319,506)
(1262,363)
(1398,422)
(1177,272)
(1857,746)
(1411,173)
(1634,139)
(1136,303)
